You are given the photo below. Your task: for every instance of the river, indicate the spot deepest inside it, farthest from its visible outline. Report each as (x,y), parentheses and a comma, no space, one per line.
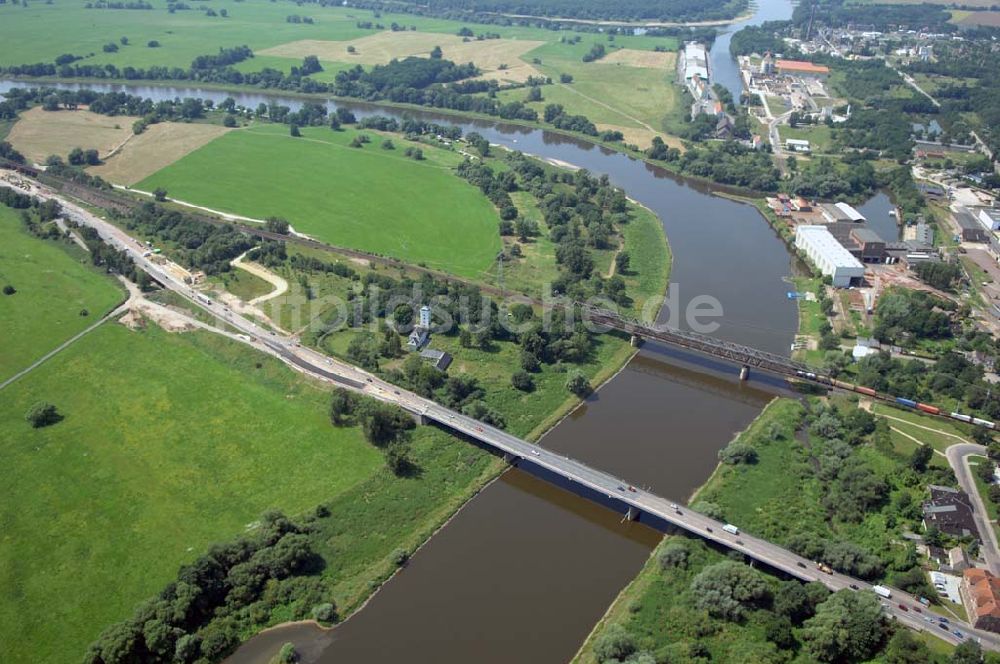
(525,569)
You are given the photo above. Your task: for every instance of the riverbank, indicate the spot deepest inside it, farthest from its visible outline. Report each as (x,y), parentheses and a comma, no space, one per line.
(781,481)
(350,102)
(651,600)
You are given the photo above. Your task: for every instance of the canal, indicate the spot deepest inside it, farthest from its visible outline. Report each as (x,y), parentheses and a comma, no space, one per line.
(525,569)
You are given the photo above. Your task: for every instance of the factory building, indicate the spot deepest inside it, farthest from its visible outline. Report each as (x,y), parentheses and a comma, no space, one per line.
(871,246)
(695,61)
(801,68)
(970,228)
(829,256)
(922,233)
(989,218)
(839,212)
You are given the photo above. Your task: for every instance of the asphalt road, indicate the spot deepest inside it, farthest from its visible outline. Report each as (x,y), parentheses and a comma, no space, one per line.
(958,456)
(331,369)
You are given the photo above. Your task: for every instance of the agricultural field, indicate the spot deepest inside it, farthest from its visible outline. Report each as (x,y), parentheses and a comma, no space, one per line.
(983,18)
(156,148)
(38,134)
(54,285)
(497,58)
(368,198)
(629,90)
(148,468)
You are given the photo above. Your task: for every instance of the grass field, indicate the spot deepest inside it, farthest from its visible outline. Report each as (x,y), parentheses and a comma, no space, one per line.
(39,133)
(364,198)
(984,18)
(819,136)
(159,146)
(630,90)
(169,443)
(497,58)
(40,32)
(53,285)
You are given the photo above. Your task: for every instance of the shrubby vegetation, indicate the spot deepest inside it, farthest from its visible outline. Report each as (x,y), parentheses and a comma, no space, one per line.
(198,615)
(729,162)
(582,214)
(839,13)
(759,39)
(676,10)
(195,244)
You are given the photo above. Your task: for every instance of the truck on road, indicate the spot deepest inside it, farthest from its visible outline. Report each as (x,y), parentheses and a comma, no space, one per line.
(882,591)
(731,529)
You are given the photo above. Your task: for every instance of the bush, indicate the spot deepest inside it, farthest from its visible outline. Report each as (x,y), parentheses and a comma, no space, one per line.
(727,589)
(399,557)
(735,453)
(325,613)
(614,644)
(42,414)
(9,290)
(578,384)
(709,509)
(674,555)
(523,381)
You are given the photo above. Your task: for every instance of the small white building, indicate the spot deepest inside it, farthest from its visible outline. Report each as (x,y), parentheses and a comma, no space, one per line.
(421,333)
(828,255)
(797,145)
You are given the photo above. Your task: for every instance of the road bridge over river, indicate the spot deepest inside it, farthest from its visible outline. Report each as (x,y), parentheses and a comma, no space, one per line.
(636,503)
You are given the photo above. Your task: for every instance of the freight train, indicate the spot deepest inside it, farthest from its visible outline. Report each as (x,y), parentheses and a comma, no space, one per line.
(900,401)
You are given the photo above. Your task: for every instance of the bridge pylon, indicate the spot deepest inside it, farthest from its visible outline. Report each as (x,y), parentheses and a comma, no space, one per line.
(744,372)
(635,340)
(633,513)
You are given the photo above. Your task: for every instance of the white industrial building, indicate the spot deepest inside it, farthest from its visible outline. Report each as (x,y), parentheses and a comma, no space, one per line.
(832,259)
(990,218)
(695,61)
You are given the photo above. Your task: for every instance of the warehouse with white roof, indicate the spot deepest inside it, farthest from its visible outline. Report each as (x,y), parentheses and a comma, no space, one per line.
(832,259)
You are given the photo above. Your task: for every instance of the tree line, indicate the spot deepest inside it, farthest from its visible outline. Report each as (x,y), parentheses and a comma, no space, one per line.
(199,615)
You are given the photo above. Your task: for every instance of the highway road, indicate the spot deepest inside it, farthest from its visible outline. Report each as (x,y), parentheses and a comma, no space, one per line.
(902,607)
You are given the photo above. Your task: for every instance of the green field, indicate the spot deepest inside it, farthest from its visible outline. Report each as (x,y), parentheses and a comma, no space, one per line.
(366,198)
(40,31)
(169,443)
(607,93)
(54,284)
(632,98)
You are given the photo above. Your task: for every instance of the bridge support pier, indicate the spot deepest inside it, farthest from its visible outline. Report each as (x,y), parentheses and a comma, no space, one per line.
(633,513)
(420,419)
(635,340)
(509,458)
(744,372)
